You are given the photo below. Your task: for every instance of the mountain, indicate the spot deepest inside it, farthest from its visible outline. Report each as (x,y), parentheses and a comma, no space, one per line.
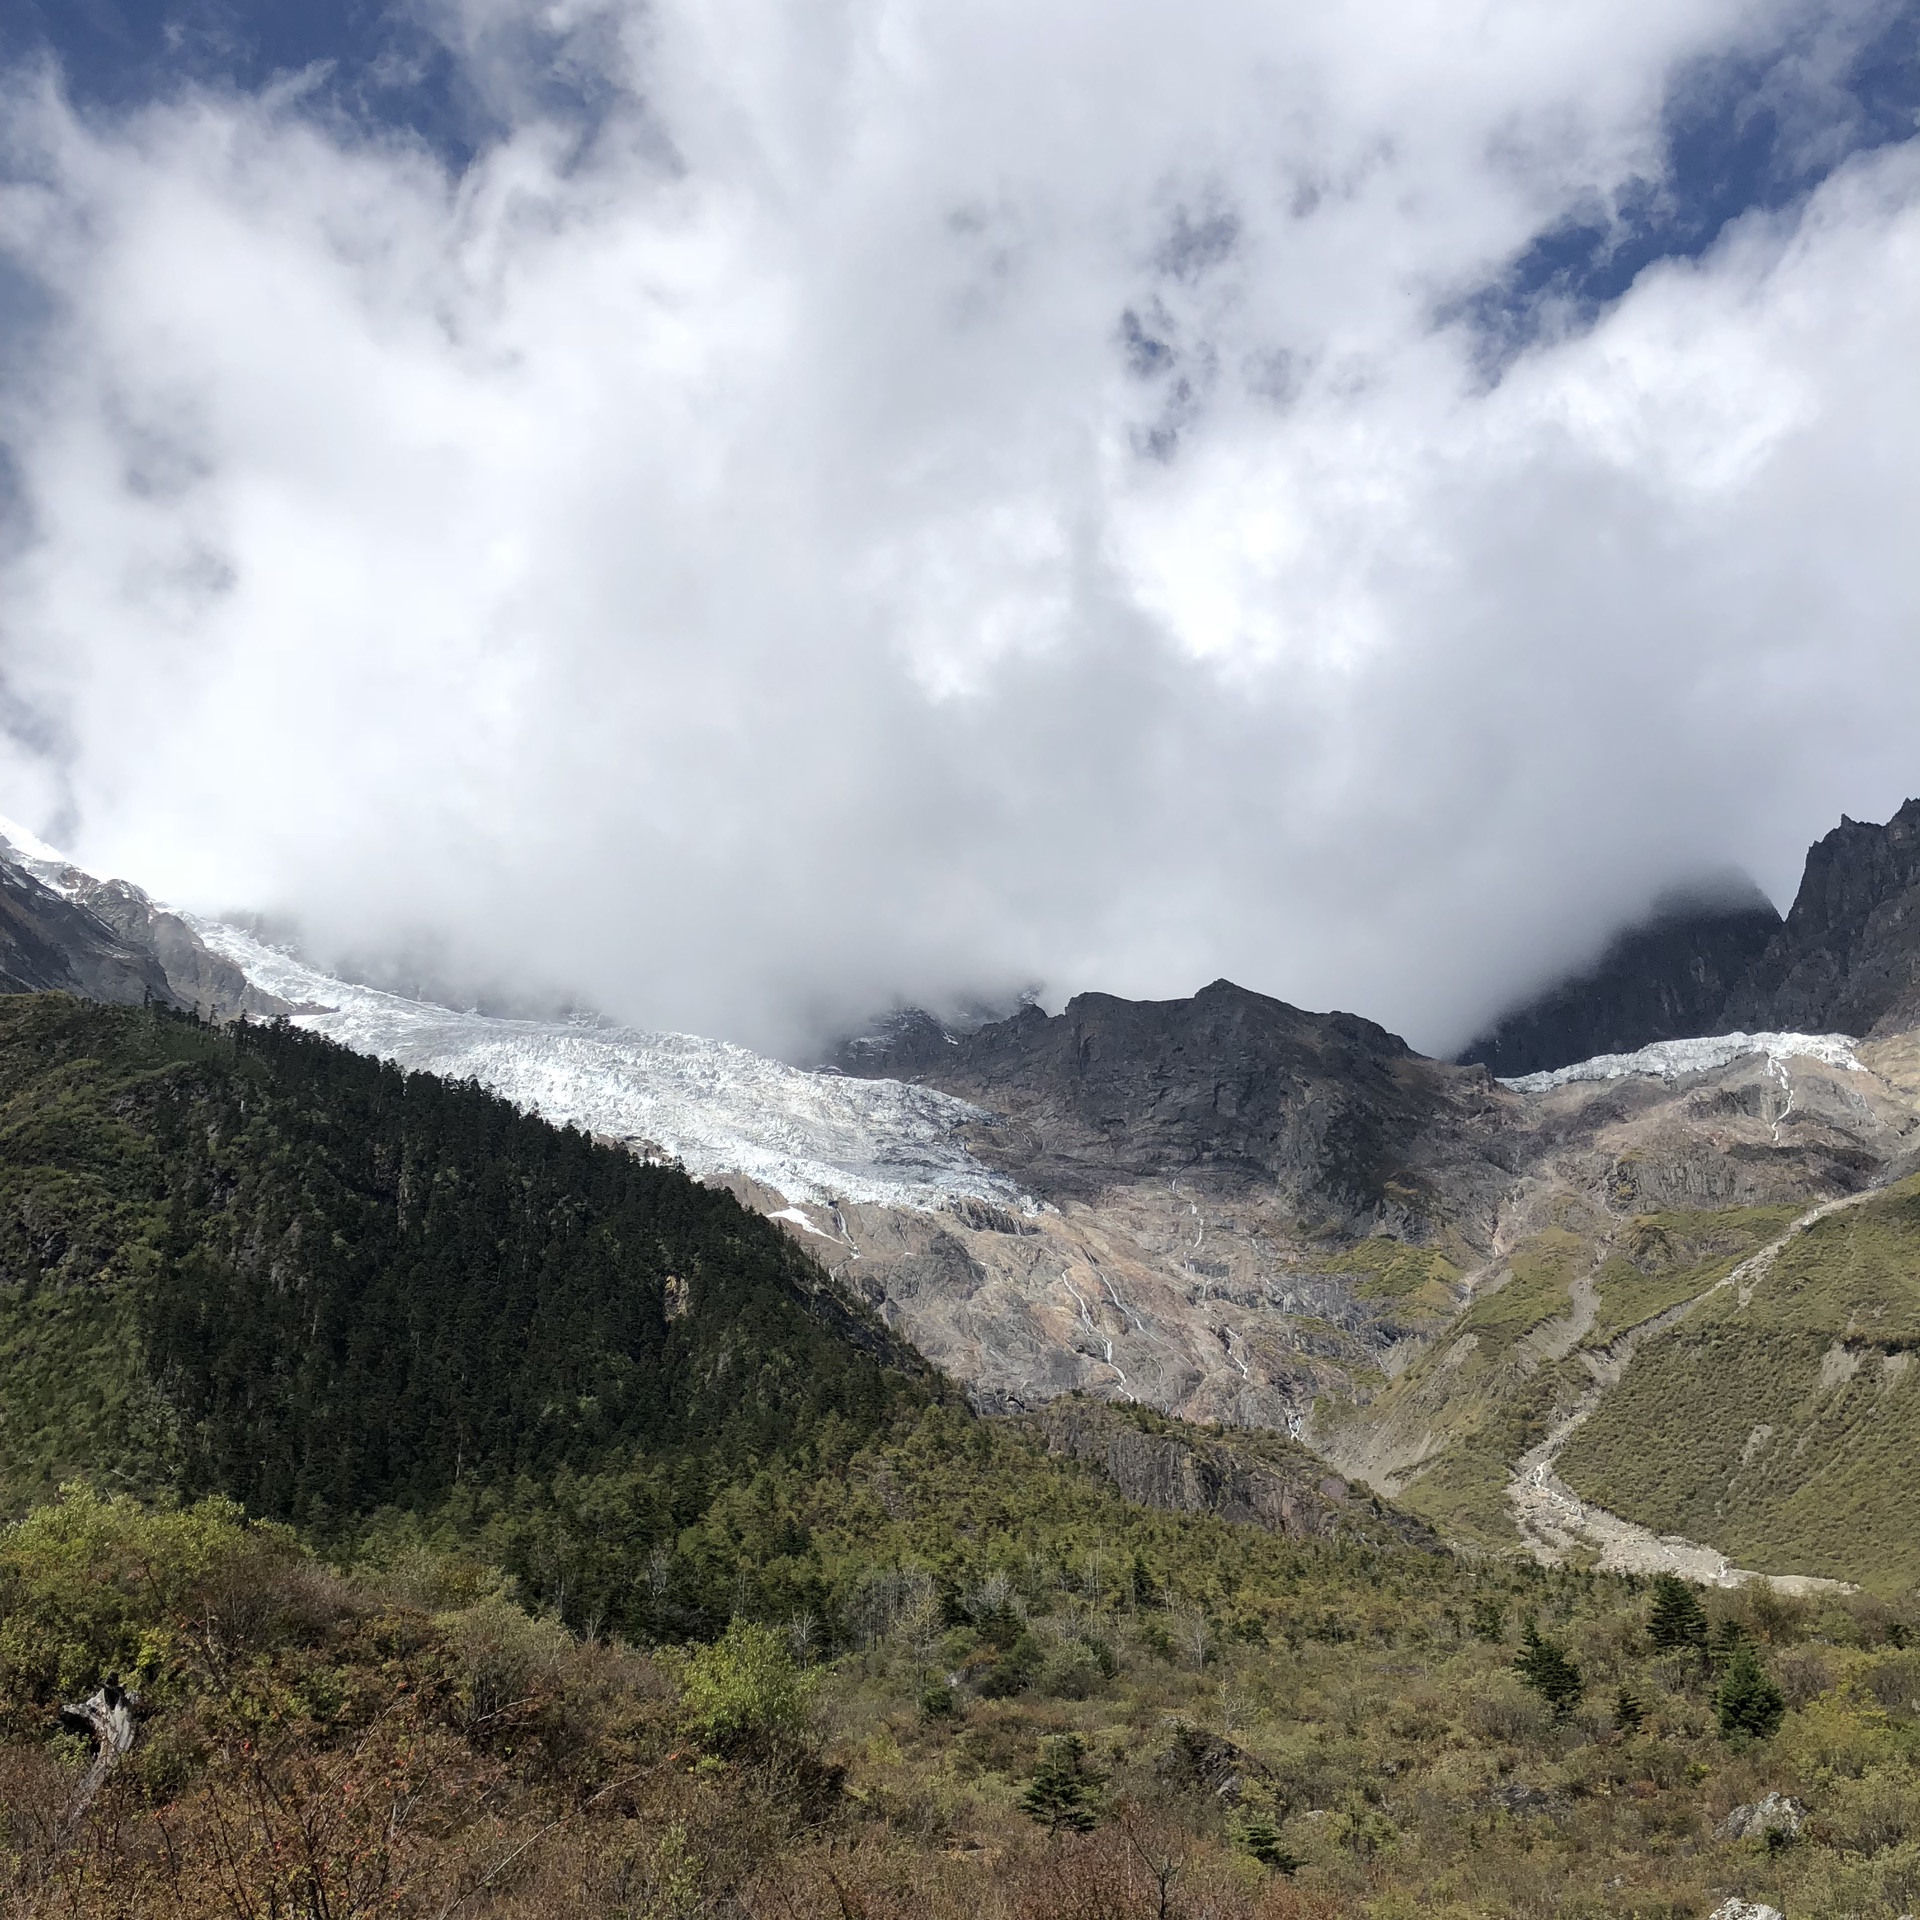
(1848,957)
(1232,1210)
(1669,978)
(1845,960)
(1230,1086)
(51,943)
(63,929)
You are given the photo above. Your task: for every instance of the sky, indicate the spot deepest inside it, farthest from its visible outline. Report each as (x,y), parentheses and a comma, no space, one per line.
(752,512)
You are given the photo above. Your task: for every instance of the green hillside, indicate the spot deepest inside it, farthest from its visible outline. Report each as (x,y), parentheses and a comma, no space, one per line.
(1492,1386)
(1785,1430)
(250,1262)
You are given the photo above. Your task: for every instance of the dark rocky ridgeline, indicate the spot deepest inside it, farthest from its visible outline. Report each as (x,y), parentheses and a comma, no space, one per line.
(51,944)
(106,940)
(1254,1479)
(1336,1113)
(1848,958)
(1667,979)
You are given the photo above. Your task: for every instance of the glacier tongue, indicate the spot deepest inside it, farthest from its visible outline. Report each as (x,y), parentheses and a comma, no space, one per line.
(717,1108)
(1667,1059)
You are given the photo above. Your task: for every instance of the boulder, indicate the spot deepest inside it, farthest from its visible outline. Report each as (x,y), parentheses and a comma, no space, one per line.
(1775,1814)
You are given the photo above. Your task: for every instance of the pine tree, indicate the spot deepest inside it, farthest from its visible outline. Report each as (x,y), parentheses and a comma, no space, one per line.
(1260,1835)
(1543,1664)
(1728,1637)
(1678,1619)
(1065,1787)
(1628,1710)
(1746,1700)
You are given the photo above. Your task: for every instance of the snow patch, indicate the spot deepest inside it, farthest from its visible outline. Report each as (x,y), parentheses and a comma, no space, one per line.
(799,1219)
(29,845)
(1669,1059)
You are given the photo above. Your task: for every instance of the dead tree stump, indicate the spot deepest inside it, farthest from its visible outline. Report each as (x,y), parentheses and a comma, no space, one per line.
(110,1717)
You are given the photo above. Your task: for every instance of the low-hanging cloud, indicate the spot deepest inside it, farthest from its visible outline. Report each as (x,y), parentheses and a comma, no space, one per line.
(905,500)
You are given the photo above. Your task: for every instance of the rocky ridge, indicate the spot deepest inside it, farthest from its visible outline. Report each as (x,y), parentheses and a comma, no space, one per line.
(1846,958)
(1669,978)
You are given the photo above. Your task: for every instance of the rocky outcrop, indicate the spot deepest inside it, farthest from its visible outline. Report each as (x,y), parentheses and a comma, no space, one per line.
(1666,979)
(1262,1479)
(49,944)
(1776,1813)
(1331,1112)
(1848,958)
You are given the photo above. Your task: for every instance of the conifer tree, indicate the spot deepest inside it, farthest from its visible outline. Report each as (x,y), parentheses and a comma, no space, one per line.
(1260,1835)
(1544,1665)
(1728,1637)
(1065,1787)
(1746,1700)
(1677,1619)
(1629,1711)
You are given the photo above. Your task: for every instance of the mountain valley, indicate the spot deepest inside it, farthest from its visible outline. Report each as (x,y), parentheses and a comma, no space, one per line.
(1234,1212)
(1196,1460)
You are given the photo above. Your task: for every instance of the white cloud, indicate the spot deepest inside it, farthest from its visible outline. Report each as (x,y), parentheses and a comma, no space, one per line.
(745,563)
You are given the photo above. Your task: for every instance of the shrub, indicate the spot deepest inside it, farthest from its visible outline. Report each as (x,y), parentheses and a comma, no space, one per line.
(88,1587)
(746,1698)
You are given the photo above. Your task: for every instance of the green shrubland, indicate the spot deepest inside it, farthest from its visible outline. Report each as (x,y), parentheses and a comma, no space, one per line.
(1257,1728)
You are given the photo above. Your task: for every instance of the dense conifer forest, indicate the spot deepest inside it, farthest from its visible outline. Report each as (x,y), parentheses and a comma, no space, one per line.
(248,1261)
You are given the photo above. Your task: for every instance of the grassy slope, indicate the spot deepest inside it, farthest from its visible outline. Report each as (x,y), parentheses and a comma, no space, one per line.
(1485,1396)
(1784,1432)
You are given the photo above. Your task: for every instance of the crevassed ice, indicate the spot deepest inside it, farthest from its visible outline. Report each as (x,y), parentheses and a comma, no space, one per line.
(715,1107)
(1667,1059)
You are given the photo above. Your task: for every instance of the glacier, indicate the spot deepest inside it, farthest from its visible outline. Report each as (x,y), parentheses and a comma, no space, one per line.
(1668,1059)
(718,1109)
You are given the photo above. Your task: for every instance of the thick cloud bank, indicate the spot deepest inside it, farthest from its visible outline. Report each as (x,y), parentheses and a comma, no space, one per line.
(883,497)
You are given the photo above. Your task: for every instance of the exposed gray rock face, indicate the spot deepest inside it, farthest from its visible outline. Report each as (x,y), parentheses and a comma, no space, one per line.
(62,930)
(214,988)
(1228,1179)
(1848,958)
(1232,1088)
(1845,960)
(1667,979)
(1260,1480)
(53,945)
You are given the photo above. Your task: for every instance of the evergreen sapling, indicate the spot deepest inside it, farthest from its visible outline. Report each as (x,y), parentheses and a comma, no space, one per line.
(1064,1791)
(1544,1665)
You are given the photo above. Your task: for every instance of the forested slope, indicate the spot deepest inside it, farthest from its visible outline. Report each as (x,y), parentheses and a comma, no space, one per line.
(250,1261)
